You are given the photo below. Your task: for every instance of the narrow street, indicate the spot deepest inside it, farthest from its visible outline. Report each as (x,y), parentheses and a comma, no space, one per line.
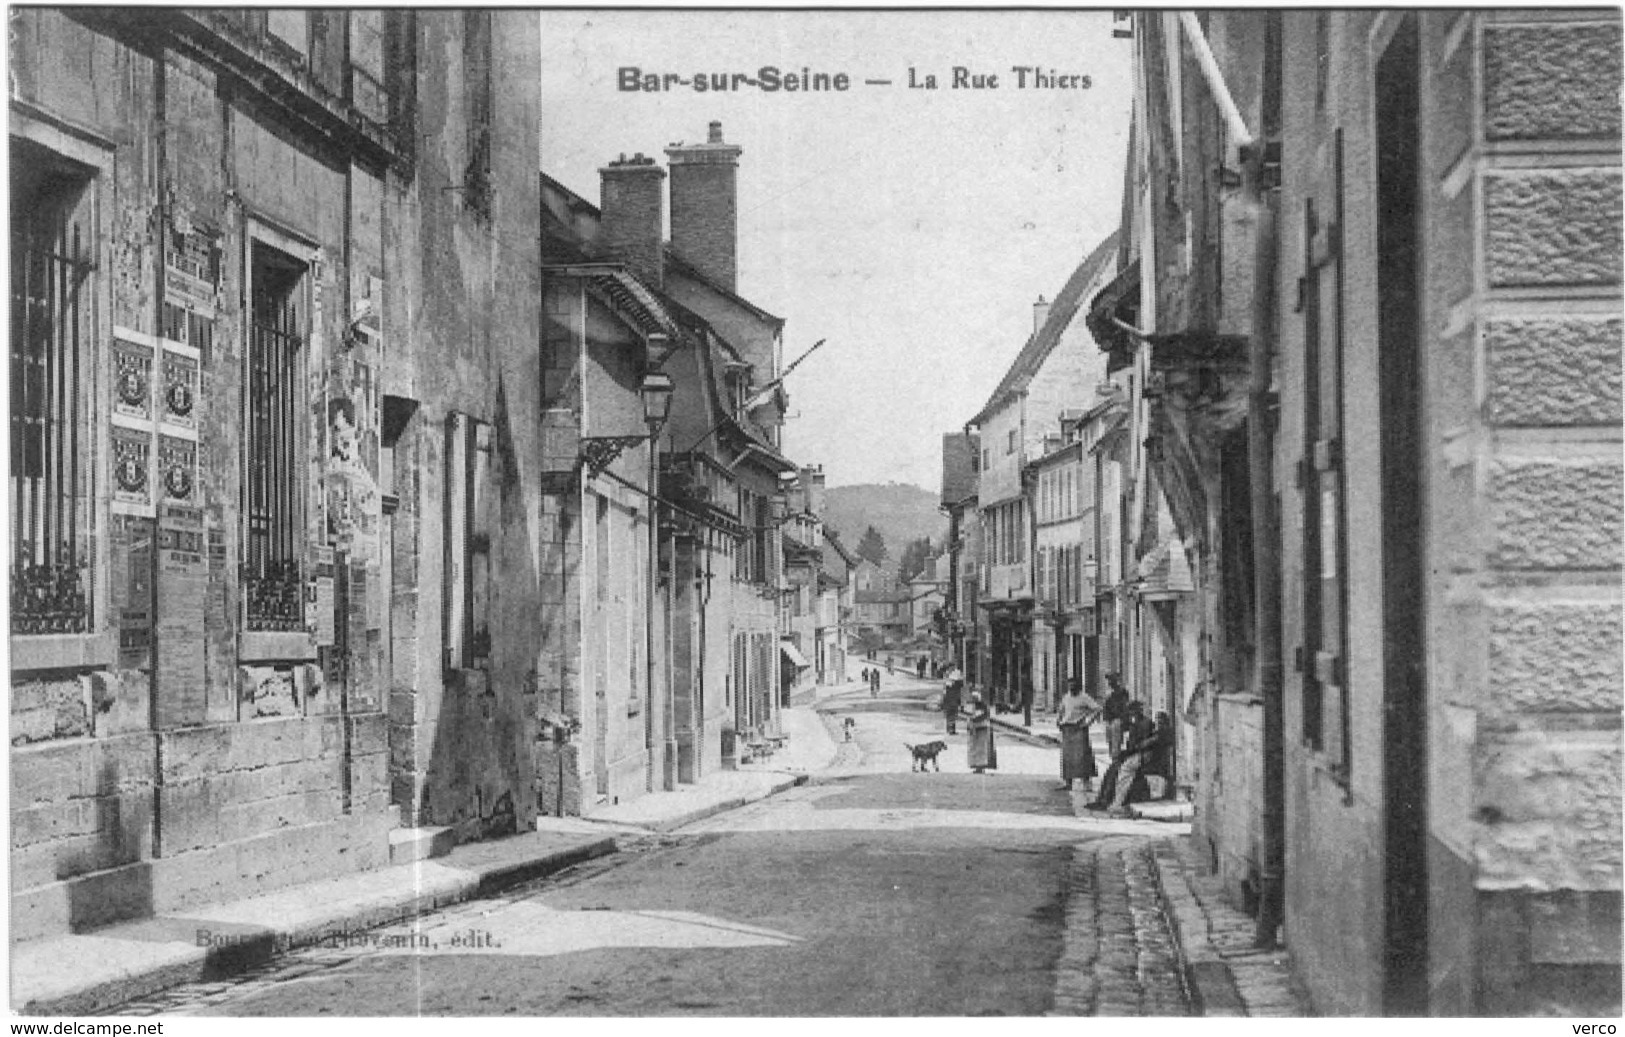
(873,890)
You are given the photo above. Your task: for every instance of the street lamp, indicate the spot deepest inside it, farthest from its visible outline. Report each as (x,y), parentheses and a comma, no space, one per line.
(657,390)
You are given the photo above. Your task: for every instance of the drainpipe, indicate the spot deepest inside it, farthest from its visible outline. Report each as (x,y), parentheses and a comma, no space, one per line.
(1240,136)
(1267,559)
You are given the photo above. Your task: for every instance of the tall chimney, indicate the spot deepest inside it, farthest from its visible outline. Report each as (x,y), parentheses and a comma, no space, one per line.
(1040,314)
(704,206)
(812,478)
(632,203)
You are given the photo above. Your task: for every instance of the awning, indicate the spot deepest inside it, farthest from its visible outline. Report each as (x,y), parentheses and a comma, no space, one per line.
(793,655)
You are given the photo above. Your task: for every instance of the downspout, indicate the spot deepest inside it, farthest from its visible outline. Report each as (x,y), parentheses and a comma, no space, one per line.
(1239,135)
(1261,420)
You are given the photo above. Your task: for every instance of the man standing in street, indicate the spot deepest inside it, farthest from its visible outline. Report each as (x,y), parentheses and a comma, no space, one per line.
(1114,712)
(952,696)
(1073,716)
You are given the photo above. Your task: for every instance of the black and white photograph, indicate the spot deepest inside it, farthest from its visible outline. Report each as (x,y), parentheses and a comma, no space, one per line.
(781,513)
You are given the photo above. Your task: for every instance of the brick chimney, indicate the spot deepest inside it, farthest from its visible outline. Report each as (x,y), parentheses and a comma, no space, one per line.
(812,482)
(704,206)
(1040,314)
(632,204)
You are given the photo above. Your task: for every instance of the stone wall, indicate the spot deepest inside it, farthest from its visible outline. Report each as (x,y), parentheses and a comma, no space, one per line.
(1541,599)
(171,755)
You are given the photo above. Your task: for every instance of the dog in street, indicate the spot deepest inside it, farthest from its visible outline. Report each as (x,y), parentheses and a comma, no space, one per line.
(924,754)
(849,727)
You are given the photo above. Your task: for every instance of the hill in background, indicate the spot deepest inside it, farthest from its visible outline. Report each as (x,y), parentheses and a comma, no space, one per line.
(900,511)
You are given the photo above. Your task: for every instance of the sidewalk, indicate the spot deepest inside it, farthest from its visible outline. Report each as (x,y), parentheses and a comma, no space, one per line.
(1226,975)
(807,748)
(85,972)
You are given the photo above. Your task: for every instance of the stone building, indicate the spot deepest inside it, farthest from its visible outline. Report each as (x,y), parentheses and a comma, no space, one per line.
(1373,314)
(834,609)
(266,314)
(1057,368)
(671,568)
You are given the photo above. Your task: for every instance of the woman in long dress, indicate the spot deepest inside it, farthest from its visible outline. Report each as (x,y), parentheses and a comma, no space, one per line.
(1076,712)
(983,755)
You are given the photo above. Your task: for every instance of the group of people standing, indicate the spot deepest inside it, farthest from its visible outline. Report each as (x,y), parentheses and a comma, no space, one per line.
(1137,747)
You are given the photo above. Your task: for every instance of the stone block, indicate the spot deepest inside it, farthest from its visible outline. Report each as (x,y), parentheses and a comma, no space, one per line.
(1551,81)
(1574,928)
(202,751)
(1553,371)
(1556,513)
(129,707)
(369,773)
(50,708)
(369,733)
(45,773)
(1549,813)
(1552,227)
(1555,657)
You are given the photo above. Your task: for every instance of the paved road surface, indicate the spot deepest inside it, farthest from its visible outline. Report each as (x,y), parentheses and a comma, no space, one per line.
(873,891)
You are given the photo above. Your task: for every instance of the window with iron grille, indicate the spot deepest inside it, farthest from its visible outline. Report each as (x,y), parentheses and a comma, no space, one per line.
(272,495)
(51,310)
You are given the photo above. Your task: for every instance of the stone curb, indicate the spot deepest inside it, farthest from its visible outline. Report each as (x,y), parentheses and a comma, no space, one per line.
(181,963)
(1017,729)
(1225,975)
(688,817)
(1207,976)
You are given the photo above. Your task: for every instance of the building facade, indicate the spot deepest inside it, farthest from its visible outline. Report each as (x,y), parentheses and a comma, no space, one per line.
(1368,411)
(675,598)
(1056,369)
(247,613)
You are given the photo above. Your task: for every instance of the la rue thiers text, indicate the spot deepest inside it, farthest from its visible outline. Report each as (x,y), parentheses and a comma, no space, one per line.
(770,79)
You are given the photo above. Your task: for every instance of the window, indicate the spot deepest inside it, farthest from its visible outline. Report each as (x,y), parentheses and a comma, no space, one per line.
(1010,442)
(51,307)
(272,496)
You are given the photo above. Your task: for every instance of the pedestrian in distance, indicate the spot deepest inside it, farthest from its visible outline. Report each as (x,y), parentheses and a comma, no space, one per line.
(874,682)
(1115,713)
(983,755)
(919,669)
(953,698)
(1074,714)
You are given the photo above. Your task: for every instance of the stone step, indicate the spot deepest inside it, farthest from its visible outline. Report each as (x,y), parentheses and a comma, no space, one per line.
(419,844)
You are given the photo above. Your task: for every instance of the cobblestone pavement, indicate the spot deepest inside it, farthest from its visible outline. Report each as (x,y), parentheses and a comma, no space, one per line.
(1118,956)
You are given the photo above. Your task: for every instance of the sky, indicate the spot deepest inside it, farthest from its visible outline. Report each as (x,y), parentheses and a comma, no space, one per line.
(912,229)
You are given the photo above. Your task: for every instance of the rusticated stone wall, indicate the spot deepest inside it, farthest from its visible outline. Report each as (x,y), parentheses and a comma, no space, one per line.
(1526,687)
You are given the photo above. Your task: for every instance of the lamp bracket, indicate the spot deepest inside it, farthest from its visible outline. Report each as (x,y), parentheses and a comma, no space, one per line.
(599,452)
